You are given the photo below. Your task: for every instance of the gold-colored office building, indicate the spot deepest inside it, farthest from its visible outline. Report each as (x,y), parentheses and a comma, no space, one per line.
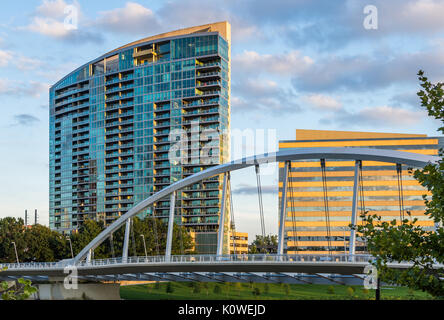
(238,242)
(306,226)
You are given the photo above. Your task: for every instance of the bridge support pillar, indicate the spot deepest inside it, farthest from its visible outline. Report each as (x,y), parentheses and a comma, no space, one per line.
(354,217)
(126,241)
(221,233)
(283,210)
(170,228)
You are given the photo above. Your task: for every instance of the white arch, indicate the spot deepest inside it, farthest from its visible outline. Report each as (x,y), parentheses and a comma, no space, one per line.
(366,154)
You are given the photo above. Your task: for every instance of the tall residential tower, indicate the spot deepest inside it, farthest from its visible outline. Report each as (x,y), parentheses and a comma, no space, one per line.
(115,124)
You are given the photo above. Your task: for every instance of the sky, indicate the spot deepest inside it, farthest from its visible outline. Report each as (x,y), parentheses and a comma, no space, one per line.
(296,64)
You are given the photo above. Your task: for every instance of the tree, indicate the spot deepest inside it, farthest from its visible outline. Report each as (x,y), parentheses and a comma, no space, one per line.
(268,244)
(40,244)
(406,241)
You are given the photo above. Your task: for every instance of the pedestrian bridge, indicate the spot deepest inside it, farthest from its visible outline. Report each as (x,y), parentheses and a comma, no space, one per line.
(300,268)
(280,267)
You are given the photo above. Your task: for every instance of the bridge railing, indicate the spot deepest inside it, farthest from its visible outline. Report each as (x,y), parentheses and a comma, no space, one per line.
(230,258)
(244,258)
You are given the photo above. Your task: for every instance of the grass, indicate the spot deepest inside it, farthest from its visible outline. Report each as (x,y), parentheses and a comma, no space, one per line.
(247,291)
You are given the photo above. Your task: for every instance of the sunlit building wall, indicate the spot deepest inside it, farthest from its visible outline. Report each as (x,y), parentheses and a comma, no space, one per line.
(306,222)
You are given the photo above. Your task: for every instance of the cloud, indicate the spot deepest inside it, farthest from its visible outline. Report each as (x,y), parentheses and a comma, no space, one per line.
(263,95)
(323,102)
(5,57)
(21,89)
(25,119)
(380,116)
(49,20)
(133,18)
(246,189)
(281,64)
(367,72)
(53,9)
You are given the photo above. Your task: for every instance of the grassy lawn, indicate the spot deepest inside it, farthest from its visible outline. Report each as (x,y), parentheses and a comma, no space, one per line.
(244,291)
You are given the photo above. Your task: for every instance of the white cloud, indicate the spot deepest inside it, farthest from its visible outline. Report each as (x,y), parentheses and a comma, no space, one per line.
(281,64)
(5,57)
(20,89)
(133,18)
(21,62)
(323,102)
(53,9)
(48,27)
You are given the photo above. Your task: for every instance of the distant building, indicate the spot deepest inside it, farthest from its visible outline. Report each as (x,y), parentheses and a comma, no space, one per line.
(238,243)
(306,227)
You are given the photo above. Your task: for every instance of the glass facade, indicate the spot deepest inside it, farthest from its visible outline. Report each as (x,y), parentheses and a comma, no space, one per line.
(306,227)
(114,120)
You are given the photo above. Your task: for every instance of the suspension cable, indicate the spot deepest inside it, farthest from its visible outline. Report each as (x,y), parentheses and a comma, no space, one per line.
(326,208)
(112,244)
(233,224)
(362,198)
(400,192)
(361,189)
(292,213)
(261,206)
(156,236)
(180,233)
(132,237)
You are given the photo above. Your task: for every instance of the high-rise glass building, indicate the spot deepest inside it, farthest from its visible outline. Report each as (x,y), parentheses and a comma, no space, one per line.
(307,229)
(137,119)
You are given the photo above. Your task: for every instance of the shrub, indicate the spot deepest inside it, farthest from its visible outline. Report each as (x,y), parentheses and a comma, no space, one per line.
(350,291)
(266,288)
(256,292)
(217,289)
(330,290)
(169,288)
(196,287)
(286,288)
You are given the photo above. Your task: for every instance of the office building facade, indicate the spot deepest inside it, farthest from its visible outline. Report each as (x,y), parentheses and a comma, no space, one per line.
(307,227)
(137,119)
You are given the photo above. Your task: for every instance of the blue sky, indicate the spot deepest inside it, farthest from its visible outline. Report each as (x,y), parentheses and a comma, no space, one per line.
(295,64)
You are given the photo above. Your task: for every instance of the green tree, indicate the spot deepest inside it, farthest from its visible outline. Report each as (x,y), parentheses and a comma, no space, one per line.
(268,244)
(407,241)
(11,230)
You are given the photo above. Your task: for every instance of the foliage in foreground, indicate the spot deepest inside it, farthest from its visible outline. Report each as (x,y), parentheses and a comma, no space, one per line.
(407,241)
(22,290)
